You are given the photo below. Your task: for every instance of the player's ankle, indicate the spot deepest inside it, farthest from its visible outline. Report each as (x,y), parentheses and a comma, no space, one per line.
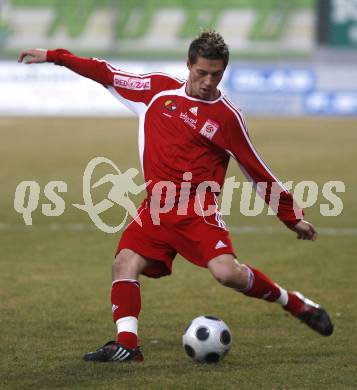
(294,304)
(284,296)
(128,339)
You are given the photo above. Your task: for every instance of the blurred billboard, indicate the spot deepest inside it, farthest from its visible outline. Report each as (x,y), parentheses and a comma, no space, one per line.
(338,23)
(159,28)
(274,68)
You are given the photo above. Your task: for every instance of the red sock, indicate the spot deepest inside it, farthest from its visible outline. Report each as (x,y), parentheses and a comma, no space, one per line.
(126,304)
(260,286)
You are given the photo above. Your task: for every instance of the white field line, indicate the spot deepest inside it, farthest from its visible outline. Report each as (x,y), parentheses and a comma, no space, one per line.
(323,231)
(70,227)
(84,227)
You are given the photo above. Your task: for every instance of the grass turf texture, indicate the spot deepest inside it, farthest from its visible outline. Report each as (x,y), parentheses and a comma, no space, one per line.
(55,284)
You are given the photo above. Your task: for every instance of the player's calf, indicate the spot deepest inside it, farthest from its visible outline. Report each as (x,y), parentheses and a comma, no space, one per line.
(256,284)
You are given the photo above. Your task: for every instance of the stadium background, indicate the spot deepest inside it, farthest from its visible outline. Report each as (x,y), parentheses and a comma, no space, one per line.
(293,72)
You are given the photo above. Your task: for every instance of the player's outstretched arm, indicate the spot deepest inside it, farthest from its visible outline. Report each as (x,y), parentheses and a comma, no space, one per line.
(36,56)
(92,68)
(305,231)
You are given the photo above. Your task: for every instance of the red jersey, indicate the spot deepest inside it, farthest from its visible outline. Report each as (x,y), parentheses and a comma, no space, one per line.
(179,133)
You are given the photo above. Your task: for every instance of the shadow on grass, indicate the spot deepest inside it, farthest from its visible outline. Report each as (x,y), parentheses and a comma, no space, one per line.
(153,373)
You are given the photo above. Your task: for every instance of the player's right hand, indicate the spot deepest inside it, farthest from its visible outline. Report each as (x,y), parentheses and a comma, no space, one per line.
(36,56)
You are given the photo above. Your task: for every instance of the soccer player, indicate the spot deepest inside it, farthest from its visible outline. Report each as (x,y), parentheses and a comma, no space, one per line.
(188,130)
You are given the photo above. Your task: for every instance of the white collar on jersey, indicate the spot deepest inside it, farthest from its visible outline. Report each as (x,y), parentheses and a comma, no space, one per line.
(183,93)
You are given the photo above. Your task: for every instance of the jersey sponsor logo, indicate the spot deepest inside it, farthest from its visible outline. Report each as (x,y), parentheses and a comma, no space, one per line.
(170,105)
(189,121)
(209,129)
(133,83)
(193,110)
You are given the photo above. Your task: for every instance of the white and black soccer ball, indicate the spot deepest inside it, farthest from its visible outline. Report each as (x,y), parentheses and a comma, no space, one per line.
(207,339)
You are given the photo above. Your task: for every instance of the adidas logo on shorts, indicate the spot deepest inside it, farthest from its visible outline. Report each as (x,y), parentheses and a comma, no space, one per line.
(220,244)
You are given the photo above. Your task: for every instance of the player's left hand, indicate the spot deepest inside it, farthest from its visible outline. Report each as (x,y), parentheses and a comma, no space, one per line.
(305,231)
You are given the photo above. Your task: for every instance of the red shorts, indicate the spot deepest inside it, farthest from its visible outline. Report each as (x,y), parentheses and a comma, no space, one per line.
(198,238)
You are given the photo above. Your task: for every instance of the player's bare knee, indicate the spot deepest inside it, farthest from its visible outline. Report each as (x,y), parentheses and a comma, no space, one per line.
(126,265)
(222,272)
(224,277)
(241,276)
(229,273)
(118,264)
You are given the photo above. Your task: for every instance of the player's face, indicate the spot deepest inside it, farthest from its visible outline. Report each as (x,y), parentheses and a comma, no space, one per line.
(204,78)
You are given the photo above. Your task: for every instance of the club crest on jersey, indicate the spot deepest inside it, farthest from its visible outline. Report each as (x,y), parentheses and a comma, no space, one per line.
(170,105)
(209,129)
(133,83)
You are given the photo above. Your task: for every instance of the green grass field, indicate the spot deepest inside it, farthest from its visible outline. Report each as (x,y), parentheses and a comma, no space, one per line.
(55,275)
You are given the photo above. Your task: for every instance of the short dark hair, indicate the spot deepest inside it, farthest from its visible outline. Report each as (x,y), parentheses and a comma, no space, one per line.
(209,44)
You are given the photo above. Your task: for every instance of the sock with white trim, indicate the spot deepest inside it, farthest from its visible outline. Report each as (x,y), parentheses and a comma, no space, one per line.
(126,305)
(260,286)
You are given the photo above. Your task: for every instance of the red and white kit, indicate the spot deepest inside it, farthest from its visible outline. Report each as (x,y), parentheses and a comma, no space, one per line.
(179,134)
